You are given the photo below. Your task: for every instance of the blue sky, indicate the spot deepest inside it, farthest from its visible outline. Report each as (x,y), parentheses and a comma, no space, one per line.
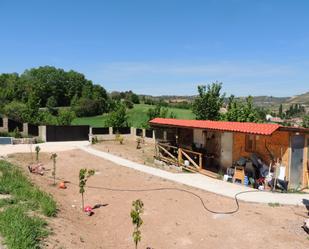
(158,47)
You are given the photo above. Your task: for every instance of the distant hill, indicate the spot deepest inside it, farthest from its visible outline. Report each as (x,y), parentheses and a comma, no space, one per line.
(267,101)
(299,99)
(262,101)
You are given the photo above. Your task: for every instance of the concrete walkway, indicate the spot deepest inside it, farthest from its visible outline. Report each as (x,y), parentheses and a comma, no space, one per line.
(45,147)
(205,183)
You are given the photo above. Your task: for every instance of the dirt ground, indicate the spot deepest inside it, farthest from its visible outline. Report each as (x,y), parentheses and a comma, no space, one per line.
(128,150)
(172,219)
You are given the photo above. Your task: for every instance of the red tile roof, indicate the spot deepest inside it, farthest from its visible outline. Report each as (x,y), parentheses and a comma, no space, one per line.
(245,127)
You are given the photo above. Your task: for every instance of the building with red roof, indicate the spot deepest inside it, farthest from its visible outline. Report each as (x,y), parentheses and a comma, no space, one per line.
(213,146)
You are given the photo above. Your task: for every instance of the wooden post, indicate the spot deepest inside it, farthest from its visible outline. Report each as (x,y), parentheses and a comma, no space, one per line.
(200,161)
(179,156)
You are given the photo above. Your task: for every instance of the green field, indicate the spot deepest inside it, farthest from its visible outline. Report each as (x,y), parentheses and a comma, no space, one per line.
(136,116)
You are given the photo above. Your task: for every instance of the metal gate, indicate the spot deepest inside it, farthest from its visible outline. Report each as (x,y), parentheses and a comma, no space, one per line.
(67,133)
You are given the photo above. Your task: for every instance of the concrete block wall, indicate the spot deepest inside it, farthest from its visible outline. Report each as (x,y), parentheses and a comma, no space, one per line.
(111,136)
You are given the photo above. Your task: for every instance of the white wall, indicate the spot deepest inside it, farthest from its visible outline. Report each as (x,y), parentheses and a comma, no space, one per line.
(198,137)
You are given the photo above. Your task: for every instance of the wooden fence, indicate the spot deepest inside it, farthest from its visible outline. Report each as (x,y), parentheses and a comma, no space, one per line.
(187,159)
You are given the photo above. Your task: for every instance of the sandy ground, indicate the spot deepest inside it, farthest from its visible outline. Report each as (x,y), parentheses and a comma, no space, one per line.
(171,219)
(128,150)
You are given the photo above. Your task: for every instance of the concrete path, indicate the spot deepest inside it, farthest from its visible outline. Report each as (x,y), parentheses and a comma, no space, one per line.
(206,183)
(45,147)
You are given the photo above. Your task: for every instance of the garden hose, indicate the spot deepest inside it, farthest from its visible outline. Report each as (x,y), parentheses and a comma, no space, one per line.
(177,189)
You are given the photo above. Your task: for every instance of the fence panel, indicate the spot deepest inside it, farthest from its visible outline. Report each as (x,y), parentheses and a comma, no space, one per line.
(100,130)
(33,130)
(122,130)
(139,132)
(1,122)
(149,133)
(67,133)
(12,125)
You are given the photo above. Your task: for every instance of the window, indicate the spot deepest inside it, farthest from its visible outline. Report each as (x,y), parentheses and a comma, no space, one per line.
(250,143)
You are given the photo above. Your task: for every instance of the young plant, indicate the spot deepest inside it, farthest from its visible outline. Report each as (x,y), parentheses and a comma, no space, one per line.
(37,151)
(84,174)
(138,143)
(136,211)
(53,157)
(119,138)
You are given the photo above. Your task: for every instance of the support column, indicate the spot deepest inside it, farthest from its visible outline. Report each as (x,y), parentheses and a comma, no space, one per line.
(5,127)
(42,133)
(133,132)
(25,129)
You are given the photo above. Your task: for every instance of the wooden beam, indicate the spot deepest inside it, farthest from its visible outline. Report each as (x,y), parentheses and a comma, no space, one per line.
(190,159)
(167,152)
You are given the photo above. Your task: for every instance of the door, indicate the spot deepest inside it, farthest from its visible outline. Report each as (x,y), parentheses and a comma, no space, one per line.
(297,159)
(226,157)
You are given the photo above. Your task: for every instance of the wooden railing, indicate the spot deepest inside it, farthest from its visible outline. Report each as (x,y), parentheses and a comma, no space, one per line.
(178,156)
(184,153)
(164,153)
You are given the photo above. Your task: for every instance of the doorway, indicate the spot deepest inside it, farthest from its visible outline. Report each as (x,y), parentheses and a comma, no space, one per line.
(297,159)
(226,157)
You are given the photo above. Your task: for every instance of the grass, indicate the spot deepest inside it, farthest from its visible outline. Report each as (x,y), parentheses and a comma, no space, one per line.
(19,222)
(137,116)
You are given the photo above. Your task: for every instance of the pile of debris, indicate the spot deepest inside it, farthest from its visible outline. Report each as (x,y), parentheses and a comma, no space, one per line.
(253,171)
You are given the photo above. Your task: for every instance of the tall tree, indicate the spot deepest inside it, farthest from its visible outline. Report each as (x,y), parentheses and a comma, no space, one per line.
(243,111)
(207,104)
(118,118)
(281,111)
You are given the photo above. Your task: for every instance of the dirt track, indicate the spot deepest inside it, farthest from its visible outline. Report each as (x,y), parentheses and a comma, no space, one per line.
(171,220)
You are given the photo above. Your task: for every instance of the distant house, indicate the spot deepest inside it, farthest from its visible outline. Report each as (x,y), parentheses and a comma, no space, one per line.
(210,146)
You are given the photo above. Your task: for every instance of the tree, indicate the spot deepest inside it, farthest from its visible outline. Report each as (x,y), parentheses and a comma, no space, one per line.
(37,151)
(129,104)
(118,118)
(305,121)
(243,111)
(65,117)
(136,211)
(51,104)
(135,98)
(32,111)
(54,157)
(15,110)
(157,112)
(84,175)
(45,117)
(85,107)
(281,111)
(207,104)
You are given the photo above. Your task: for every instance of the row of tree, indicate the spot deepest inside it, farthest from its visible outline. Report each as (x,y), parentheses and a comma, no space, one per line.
(54,96)
(294,110)
(209,102)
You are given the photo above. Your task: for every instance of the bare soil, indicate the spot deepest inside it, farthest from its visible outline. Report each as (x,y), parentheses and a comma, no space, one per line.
(172,219)
(128,150)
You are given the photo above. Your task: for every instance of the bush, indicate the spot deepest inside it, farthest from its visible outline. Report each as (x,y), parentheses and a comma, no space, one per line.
(65,116)
(86,107)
